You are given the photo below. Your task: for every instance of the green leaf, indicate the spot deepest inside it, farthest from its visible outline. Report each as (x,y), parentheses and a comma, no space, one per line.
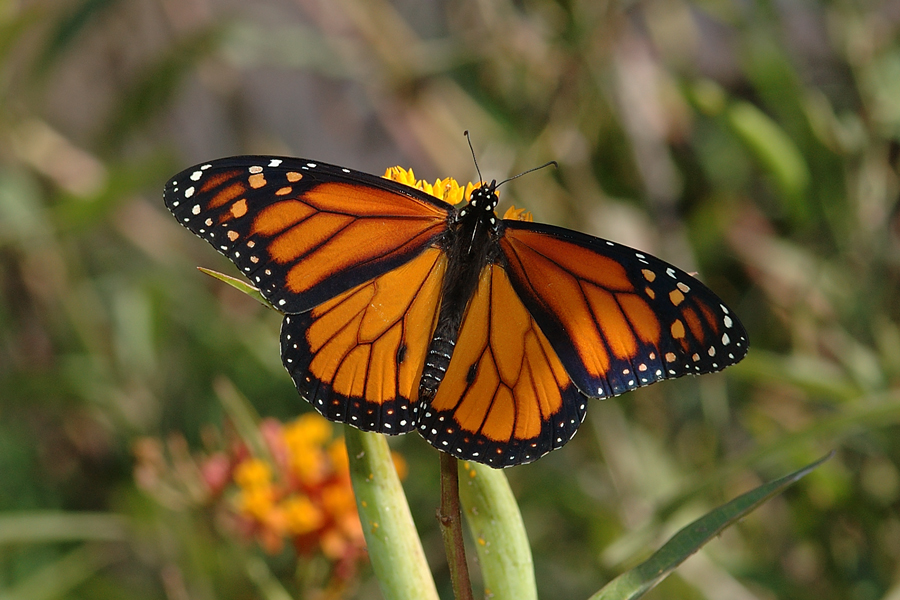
(641,579)
(391,538)
(238,284)
(496,526)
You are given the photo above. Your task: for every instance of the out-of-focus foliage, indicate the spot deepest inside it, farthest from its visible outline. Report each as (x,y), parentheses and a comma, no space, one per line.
(753,142)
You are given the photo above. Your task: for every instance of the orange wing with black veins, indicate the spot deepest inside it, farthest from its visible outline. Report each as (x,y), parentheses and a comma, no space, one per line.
(618,318)
(358,358)
(304,232)
(506,398)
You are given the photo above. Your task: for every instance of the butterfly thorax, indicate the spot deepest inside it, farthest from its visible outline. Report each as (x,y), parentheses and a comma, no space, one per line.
(470,245)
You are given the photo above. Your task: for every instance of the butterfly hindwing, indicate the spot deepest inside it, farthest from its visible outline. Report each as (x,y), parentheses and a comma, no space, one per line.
(358,357)
(505,398)
(304,232)
(618,318)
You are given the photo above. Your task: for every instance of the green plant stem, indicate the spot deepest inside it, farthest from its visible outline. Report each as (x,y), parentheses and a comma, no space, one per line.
(391,538)
(495,523)
(450,518)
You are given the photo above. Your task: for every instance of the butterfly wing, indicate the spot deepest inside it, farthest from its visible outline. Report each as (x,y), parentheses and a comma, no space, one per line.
(353,260)
(304,232)
(358,357)
(505,398)
(617,318)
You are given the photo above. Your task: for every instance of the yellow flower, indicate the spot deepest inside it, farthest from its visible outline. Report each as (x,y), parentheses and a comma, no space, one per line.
(518,214)
(307,430)
(338,500)
(304,439)
(253,473)
(257,502)
(448,190)
(301,515)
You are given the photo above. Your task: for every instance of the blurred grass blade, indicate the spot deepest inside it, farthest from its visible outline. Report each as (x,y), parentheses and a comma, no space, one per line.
(268,585)
(776,152)
(67,30)
(14,25)
(499,533)
(151,93)
(58,579)
(244,418)
(52,526)
(391,537)
(641,579)
(239,285)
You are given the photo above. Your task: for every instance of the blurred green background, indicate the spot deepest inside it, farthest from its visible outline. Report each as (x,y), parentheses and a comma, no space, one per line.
(754,142)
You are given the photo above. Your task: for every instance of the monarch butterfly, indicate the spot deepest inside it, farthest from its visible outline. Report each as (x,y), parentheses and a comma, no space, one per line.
(404,312)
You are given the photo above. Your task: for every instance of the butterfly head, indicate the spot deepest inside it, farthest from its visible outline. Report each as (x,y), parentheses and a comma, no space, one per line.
(483,202)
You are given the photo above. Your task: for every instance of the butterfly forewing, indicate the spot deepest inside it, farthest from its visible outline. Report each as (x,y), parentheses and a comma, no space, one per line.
(304,232)
(618,318)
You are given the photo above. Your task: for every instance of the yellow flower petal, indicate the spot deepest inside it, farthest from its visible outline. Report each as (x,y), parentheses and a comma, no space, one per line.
(301,515)
(518,214)
(252,473)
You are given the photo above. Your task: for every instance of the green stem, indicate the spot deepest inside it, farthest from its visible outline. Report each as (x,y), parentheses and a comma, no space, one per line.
(450,518)
(498,531)
(393,543)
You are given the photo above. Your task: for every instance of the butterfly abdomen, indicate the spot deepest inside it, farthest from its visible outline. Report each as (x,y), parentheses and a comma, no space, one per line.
(436,363)
(468,251)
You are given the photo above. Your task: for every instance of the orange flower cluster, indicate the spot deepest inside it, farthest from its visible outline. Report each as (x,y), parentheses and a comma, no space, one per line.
(294,489)
(303,493)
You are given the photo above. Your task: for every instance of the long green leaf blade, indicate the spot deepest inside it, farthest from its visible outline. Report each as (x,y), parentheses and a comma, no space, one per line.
(641,579)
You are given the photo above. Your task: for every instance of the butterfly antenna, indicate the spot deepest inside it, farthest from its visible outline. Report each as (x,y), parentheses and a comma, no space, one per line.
(533,169)
(474,160)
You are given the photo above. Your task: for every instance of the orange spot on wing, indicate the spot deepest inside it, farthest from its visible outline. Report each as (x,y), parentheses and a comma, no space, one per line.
(284,191)
(709,315)
(676,297)
(472,407)
(293,176)
(257,180)
(239,208)
(677,329)
(510,322)
(336,342)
